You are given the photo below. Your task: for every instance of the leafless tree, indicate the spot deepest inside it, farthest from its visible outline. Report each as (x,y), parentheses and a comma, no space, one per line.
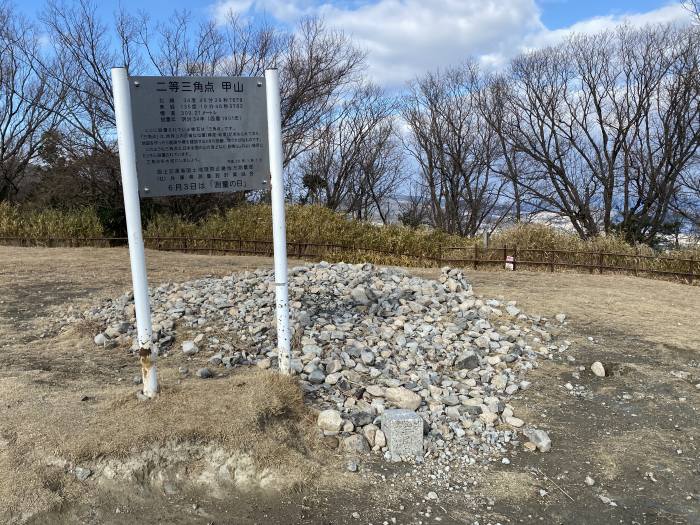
(686,202)
(251,47)
(414,208)
(454,147)
(492,104)
(176,48)
(87,50)
(318,68)
(664,146)
(381,174)
(602,129)
(29,101)
(694,7)
(585,114)
(355,165)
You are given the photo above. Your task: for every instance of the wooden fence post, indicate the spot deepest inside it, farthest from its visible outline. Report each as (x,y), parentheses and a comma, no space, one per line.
(550,256)
(600,263)
(692,270)
(476,256)
(515,258)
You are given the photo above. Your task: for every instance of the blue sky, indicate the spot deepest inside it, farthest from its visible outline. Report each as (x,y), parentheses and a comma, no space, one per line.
(555,14)
(404,38)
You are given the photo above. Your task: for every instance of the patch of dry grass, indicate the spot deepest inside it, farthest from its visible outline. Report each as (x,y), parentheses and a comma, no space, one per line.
(257,413)
(517,486)
(260,413)
(38,224)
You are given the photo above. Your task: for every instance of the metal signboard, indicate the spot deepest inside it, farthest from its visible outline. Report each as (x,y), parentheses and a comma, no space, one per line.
(195,135)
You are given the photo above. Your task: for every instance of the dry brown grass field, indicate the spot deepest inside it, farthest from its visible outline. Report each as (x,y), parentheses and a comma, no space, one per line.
(63,402)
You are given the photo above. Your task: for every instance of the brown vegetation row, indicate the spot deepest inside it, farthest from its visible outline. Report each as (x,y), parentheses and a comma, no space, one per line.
(314,232)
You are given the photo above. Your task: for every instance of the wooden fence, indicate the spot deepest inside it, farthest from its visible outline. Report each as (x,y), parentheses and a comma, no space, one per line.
(511,257)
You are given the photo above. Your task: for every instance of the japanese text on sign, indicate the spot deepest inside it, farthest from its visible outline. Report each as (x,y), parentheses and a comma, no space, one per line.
(198,135)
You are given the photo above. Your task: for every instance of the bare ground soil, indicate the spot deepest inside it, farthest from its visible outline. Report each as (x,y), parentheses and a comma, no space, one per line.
(635,432)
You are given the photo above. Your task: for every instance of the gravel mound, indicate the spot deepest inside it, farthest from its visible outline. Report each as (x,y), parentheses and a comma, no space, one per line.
(365,339)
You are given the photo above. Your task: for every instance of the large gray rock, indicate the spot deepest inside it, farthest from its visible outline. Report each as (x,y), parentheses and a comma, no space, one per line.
(404,432)
(360,295)
(189,348)
(360,419)
(598,369)
(403,398)
(317,376)
(512,310)
(82,473)
(468,361)
(540,438)
(204,373)
(330,420)
(356,444)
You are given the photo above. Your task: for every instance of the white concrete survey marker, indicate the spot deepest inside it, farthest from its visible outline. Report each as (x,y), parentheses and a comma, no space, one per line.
(404,432)
(194,135)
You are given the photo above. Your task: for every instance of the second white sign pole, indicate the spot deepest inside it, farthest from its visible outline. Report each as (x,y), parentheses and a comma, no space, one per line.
(279,229)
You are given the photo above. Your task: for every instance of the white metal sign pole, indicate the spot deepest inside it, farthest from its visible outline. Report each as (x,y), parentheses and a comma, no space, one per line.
(127,161)
(279,230)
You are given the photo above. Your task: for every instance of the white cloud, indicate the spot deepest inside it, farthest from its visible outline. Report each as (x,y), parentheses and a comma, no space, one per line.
(670,14)
(287,11)
(404,38)
(223,9)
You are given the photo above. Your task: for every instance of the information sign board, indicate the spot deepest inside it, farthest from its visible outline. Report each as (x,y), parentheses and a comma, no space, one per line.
(195,135)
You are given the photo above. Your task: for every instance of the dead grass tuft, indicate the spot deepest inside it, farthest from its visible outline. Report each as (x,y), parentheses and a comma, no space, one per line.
(517,486)
(86,328)
(252,412)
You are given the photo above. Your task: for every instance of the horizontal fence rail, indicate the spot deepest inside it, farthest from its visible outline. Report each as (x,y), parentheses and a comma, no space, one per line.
(505,257)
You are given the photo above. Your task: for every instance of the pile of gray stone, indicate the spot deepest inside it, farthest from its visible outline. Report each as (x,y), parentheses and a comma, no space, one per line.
(371,345)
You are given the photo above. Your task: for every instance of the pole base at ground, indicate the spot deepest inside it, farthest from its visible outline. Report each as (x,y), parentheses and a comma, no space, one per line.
(149,374)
